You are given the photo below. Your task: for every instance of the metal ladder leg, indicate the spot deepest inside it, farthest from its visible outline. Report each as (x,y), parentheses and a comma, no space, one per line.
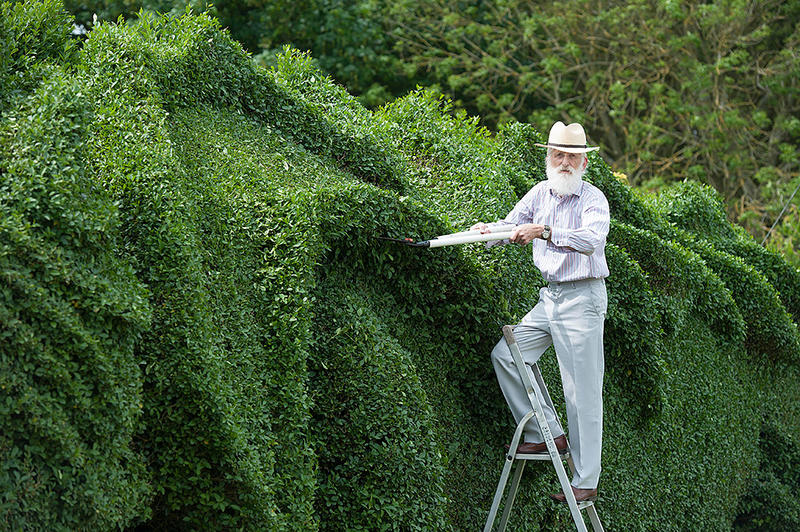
(534,370)
(501,485)
(594,518)
(512,494)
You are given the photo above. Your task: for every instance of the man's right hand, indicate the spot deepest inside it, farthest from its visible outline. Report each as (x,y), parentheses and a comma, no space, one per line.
(482,226)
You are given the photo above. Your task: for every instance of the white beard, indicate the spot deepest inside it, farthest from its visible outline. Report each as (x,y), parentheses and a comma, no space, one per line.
(563,183)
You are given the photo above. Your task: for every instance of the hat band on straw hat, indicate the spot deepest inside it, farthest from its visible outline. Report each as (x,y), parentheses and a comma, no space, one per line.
(554,145)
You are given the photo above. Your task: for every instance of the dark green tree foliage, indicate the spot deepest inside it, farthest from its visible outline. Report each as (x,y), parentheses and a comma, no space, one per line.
(347,39)
(201,331)
(670,90)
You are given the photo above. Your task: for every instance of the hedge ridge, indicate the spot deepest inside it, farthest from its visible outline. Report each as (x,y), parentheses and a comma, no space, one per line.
(683,279)
(779,273)
(696,214)
(698,210)
(375,420)
(279,350)
(248,311)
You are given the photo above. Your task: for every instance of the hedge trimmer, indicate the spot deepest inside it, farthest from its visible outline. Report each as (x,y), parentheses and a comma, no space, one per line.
(463,237)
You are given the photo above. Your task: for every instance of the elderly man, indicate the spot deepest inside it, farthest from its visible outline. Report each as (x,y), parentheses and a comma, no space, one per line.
(567,221)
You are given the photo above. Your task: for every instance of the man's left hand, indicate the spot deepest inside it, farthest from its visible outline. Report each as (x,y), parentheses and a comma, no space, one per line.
(525,233)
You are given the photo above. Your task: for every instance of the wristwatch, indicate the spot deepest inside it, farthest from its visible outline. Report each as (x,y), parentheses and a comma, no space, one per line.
(546,233)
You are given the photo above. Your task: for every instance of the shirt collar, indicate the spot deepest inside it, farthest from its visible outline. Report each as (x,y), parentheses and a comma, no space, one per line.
(576,193)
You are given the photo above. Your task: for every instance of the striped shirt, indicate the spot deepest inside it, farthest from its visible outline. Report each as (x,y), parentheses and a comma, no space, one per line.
(579,221)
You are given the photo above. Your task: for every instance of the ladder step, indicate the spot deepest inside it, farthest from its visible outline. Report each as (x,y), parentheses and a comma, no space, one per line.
(539,456)
(581,505)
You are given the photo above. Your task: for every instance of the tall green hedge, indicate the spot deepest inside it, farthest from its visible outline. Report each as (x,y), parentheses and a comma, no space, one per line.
(201,330)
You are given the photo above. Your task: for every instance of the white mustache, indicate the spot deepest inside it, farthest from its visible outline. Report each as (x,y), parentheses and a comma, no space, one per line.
(563,179)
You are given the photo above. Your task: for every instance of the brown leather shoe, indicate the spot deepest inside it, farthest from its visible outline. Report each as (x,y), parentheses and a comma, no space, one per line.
(581,495)
(541,448)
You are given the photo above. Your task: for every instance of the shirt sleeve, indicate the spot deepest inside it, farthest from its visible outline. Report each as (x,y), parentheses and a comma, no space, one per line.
(591,235)
(522,213)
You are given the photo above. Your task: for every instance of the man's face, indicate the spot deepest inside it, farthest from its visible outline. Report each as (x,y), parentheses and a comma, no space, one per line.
(566,162)
(564,171)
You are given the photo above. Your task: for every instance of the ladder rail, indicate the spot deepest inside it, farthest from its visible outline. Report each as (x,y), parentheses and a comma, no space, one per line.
(597,526)
(537,374)
(512,494)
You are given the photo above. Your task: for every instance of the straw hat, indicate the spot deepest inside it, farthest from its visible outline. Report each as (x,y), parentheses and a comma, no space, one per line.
(571,139)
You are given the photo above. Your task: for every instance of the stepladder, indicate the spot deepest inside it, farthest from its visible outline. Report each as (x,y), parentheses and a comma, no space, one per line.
(530,373)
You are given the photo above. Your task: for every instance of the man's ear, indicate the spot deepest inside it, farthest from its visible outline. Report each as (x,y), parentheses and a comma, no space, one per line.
(585,162)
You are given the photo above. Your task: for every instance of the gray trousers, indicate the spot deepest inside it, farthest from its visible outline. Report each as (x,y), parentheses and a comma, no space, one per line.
(569,316)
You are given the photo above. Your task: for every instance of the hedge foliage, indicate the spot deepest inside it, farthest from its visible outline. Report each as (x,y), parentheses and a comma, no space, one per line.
(201,330)
(72,311)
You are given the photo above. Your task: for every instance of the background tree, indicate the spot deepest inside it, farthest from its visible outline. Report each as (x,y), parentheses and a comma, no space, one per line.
(669,90)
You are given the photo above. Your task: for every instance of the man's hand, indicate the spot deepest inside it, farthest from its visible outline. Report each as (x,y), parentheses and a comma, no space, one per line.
(482,226)
(525,233)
